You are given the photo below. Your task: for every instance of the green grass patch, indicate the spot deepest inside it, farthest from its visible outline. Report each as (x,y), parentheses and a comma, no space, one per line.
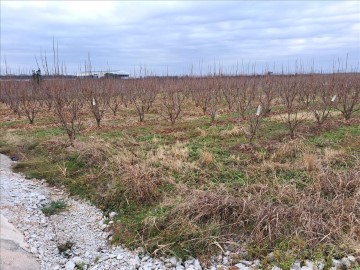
(54,208)
(335,137)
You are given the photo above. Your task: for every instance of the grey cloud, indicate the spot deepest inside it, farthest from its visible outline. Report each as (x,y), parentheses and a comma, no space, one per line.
(175,35)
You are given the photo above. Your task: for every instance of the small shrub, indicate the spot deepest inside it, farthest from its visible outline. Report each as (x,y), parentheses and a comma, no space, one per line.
(53,208)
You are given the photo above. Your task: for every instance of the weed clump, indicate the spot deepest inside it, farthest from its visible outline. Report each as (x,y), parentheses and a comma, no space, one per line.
(54,207)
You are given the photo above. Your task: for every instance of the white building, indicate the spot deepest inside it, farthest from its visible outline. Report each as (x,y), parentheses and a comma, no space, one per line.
(101,74)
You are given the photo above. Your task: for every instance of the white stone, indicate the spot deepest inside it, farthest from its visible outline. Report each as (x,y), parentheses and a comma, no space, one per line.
(197,265)
(173,261)
(145,258)
(134,262)
(296,265)
(41,198)
(77,260)
(257,263)
(336,263)
(346,262)
(70,265)
(247,263)
(242,266)
(309,264)
(33,250)
(320,265)
(112,215)
(112,256)
(180,267)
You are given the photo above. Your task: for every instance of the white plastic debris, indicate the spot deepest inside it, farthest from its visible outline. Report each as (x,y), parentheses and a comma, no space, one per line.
(94,102)
(333,98)
(258,111)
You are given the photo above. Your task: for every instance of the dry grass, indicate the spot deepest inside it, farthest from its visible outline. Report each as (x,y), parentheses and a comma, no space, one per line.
(14,139)
(327,210)
(235,131)
(206,157)
(173,157)
(201,132)
(141,183)
(301,115)
(309,162)
(332,155)
(269,166)
(289,150)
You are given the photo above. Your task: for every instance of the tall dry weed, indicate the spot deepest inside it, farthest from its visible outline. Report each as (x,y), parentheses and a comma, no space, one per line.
(310,162)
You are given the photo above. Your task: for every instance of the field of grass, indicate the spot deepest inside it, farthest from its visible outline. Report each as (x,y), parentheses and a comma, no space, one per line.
(198,188)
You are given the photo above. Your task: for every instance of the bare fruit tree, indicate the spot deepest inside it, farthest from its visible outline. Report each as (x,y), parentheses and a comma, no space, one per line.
(113,94)
(267,93)
(348,93)
(290,93)
(95,95)
(214,93)
(253,121)
(143,94)
(245,95)
(172,101)
(9,94)
(68,105)
(229,92)
(30,101)
(321,101)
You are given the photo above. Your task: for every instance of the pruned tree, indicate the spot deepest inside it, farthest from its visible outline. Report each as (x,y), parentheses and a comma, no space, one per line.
(290,93)
(229,92)
(347,93)
(143,94)
(214,93)
(172,101)
(113,94)
(245,95)
(267,93)
(253,121)
(29,99)
(95,95)
(68,105)
(10,95)
(321,101)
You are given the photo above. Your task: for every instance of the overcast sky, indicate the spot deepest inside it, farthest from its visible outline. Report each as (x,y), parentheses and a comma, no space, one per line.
(172,36)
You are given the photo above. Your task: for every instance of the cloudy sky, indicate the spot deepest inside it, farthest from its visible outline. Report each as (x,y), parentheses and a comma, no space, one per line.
(173,36)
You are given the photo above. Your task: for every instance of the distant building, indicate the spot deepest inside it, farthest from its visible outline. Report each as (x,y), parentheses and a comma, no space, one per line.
(105,74)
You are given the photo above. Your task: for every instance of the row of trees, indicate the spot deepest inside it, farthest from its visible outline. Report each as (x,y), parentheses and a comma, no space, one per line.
(295,97)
